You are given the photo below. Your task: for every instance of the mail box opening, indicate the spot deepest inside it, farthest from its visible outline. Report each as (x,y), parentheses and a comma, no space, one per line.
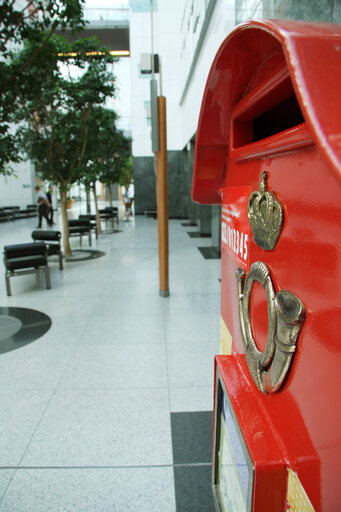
(269,109)
(283,116)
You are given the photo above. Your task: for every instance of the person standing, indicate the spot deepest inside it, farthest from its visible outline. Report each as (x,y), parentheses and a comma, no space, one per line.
(43,206)
(49,198)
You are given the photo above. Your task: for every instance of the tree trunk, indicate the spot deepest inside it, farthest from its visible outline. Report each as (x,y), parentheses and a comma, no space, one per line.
(98,220)
(66,241)
(110,194)
(88,206)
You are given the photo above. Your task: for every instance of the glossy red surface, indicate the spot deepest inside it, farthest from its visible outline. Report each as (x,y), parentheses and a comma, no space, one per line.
(303,165)
(312,53)
(269,487)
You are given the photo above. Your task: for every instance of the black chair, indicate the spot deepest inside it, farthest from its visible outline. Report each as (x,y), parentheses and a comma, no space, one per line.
(25,259)
(9,212)
(93,222)
(109,214)
(114,212)
(80,227)
(52,239)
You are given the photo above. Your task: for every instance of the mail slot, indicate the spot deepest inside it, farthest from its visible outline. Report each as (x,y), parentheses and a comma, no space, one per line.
(268,149)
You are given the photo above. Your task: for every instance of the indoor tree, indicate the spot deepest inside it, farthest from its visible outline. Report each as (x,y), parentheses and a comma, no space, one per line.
(34,21)
(57,109)
(108,148)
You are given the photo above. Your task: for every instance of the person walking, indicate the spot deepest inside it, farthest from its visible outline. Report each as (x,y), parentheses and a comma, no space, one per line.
(49,198)
(43,207)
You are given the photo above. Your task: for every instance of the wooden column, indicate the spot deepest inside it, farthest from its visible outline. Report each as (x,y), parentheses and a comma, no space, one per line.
(162,197)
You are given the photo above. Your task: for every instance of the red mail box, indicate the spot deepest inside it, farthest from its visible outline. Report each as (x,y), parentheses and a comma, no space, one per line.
(268,148)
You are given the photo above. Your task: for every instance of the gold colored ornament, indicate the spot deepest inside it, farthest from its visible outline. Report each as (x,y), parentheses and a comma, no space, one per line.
(286,315)
(265,215)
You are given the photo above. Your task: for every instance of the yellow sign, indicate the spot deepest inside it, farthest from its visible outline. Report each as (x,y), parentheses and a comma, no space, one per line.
(225,339)
(297,497)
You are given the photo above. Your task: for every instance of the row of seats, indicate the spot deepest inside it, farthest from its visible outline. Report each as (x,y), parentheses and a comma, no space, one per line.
(15,212)
(31,257)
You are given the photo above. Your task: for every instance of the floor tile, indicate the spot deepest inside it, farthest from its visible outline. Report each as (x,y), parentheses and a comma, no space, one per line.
(90,490)
(103,428)
(191,327)
(191,364)
(199,398)
(5,477)
(66,326)
(21,413)
(192,437)
(116,366)
(35,366)
(210,253)
(195,303)
(68,307)
(197,234)
(126,328)
(147,305)
(193,489)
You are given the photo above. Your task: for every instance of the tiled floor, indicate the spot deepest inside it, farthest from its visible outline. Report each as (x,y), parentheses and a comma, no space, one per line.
(96,414)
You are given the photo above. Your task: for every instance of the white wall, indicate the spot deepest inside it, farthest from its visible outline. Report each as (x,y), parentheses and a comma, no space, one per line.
(170,25)
(140,42)
(122,101)
(221,24)
(166,23)
(18,190)
(168,46)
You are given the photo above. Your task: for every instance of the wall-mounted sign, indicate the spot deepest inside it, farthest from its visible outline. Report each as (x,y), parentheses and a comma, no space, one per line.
(233,468)
(235,228)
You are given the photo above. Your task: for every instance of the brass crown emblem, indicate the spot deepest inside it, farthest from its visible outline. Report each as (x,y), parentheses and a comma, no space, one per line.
(265,215)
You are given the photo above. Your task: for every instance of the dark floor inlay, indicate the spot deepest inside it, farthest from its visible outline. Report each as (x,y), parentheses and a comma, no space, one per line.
(84,254)
(111,231)
(192,437)
(193,491)
(9,326)
(21,326)
(210,253)
(196,234)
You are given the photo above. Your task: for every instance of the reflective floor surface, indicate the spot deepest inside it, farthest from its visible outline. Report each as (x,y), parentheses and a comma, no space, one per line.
(110,408)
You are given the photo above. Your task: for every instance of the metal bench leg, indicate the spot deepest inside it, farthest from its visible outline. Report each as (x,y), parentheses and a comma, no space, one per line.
(8,285)
(80,240)
(60,260)
(90,239)
(48,280)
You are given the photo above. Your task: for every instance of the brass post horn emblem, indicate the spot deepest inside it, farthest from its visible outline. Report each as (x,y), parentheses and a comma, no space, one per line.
(265,215)
(286,315)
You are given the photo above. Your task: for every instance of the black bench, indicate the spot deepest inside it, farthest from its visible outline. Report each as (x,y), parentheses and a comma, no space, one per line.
(8,212)
(113,210)
(26,213)
(52,239)
(151,212)
(93,222)
(80,227)
(110,213)
(25,259)
(5,215)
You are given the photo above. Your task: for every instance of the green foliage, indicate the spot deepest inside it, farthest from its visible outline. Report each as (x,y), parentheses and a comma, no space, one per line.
(57,108)
(107,150)
(32,24)
(127,174)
